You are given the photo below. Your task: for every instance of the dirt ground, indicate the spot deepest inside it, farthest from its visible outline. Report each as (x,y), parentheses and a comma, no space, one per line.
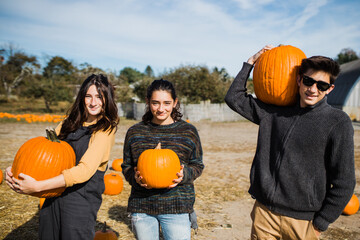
(222,202)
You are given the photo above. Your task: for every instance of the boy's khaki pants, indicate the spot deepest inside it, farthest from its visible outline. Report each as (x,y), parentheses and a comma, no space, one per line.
(268,226)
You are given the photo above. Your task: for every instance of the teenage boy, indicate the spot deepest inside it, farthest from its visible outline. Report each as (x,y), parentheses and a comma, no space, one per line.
(302,175)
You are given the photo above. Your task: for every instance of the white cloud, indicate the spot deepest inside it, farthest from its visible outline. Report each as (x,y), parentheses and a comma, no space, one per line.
(164,33)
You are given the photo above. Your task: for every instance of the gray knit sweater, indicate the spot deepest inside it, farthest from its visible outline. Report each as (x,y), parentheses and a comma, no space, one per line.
(304,161)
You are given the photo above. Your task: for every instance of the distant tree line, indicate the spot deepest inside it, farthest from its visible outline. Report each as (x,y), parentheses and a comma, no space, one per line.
(22,76)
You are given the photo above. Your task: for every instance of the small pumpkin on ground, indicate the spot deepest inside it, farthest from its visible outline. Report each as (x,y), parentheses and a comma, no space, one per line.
(352,207)
(105,234)
(158,167)
(116,164)
(1,176)
(43,158)
(275,75)
(113,184)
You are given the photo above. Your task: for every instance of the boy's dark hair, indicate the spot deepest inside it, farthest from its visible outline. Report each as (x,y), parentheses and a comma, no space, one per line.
(320,63)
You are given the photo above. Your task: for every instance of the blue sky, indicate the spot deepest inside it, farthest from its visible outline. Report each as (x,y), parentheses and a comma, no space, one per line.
(165,34)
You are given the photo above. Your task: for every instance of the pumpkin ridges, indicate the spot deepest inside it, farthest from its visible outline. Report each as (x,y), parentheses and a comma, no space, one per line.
(275,75)
(41,159)
(158,167)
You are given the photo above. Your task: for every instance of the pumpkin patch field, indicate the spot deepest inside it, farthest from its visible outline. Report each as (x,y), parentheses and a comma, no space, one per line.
(222,203)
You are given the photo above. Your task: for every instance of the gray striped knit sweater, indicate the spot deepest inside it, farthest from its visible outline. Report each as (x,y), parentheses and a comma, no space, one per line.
(183,139)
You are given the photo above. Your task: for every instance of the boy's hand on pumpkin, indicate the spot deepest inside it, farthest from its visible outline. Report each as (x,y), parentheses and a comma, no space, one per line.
(180,177)
(255,57)
(27,185)
(138,178)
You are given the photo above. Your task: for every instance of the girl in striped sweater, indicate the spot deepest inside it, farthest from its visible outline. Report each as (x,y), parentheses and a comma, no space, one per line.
(169,207)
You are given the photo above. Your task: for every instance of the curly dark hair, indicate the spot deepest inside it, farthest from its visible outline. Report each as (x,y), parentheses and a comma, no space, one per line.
(163,85)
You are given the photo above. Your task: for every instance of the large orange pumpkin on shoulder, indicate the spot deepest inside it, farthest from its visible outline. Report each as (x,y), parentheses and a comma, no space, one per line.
(352,207)
(158,167)
(43,158)
(275,73)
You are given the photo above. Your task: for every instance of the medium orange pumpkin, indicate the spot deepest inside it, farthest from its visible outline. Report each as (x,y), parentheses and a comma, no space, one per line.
(43,158)
(1,176)
(275,75)
(116,164)
(105,234)
(158,167)
(352,207)
(113,184)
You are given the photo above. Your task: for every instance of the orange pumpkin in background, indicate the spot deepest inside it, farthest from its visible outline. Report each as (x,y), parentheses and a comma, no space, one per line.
(105,234)
(116,164)
(113,184)
(352,207)
(43,158)
(1,176)
(275,75)
(158,167)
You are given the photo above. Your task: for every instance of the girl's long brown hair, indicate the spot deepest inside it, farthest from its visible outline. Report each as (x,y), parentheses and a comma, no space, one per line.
(78,114)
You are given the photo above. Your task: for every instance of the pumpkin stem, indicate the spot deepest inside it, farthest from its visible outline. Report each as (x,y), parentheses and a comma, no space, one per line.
(104,228)
(281,45)
(51,135)
(158,146)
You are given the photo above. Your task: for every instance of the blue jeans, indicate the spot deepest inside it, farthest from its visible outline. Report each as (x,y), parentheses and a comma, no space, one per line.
(173,226)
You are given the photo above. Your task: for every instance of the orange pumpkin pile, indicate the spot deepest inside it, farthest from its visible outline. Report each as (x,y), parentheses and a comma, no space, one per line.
(43,158)
(31,118)
(275,75)
(352,207)
(113,184)
(158,167)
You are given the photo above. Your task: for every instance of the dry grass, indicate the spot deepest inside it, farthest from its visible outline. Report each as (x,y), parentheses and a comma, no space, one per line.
(222,202)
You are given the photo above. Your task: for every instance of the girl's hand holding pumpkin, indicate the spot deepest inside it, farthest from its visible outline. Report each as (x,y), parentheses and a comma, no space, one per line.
(181,177)
(27,185)
(138,178)
(9,178)
(253,59)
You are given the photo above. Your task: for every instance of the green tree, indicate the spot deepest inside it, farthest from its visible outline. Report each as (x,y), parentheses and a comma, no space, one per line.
(55,84)
(15,68)
(149,72)
(60,69)
(198,83)
(51,92)
(346,55)
(130,75)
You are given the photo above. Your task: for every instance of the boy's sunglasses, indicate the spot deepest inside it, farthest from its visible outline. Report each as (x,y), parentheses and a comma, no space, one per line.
(322,86)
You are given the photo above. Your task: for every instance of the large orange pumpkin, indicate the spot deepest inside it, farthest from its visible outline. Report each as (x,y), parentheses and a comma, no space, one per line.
(158,167)
(275,74)
(352,207)
(116,164)
(43,158)
(113,184)
(105,234)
